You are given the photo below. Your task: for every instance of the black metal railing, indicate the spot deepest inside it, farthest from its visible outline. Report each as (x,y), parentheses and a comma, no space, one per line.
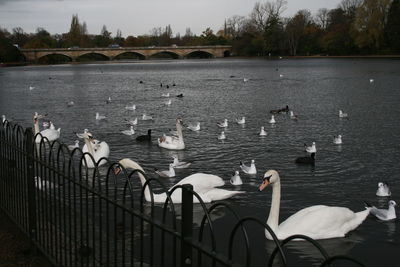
(93,217)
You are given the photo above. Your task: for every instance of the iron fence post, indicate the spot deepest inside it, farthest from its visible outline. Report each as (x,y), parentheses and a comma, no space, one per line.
(30,176)
(187,225)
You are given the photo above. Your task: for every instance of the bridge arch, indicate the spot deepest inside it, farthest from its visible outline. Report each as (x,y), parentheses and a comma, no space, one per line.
(129,55)
(53,58)
(165,54)
(227,53)
(92,56)
(199,54)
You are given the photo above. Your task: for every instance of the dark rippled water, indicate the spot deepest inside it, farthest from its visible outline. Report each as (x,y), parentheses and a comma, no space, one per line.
(214,90)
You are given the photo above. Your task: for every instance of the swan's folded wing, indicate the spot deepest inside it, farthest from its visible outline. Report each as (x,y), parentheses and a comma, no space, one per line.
(202,181)
(321,222)
(216,194)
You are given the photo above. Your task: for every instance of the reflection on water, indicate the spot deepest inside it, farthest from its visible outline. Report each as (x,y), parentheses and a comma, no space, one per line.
(315,90)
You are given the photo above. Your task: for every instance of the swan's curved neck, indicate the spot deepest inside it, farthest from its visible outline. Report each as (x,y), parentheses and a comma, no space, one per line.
(273,218)
(172,170)
(36,126)
(179,131)
(89,146)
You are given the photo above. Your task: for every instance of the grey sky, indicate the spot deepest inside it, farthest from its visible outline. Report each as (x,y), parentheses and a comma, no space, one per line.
(135,17)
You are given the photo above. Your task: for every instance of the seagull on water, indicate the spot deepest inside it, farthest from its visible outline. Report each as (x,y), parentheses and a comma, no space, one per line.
(131,131)
(383,190)
(235,179)
(337,140)
(221,136)
(180,164)
(223,124)
(132,107)
(76,145)
(241,121)
(146,117)
(311,149)
(100,117)
(169,173)
(249,169)
(194,127)
(262,132)
(272,120)
(383,214)
(342,114)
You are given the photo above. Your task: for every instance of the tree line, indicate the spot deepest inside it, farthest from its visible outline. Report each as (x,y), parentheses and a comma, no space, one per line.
(355,27)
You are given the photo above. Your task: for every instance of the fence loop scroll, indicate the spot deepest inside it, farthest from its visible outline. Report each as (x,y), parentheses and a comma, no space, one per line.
(79,213)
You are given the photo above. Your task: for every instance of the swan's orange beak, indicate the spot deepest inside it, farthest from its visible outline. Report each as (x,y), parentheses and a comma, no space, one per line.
(263,185)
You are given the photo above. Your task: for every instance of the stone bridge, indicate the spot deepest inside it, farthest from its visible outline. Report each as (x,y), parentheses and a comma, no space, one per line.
(73,53)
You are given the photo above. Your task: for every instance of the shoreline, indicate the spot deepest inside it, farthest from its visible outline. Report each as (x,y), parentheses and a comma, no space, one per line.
(21,64)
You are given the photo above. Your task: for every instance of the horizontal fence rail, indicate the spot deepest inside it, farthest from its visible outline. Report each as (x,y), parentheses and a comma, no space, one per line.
(78,216)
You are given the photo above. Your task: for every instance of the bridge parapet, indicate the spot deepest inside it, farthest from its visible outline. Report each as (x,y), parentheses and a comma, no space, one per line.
(33,55)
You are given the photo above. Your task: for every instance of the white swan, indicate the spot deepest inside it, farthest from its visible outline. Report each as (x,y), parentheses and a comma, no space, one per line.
(70,103)
(169,102)
(169,173)
(76,145)
(95,148)
(262,132)
(311,149)
(100,117)
(31,87)
(342,114)
(272,120)
(317,222)
(173,142)
(337,140)
(194,127)
(50,134)
(371,80)
(246,80)
(223,124)
(235,179)
(384,214)
(249,169)
(241,121)
(203,184)
(165,95)
(131,131)
(221,136)
(180,164)
(132,107)
(383,190)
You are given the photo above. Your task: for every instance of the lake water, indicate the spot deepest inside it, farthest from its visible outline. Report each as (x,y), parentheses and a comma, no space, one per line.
(315,89)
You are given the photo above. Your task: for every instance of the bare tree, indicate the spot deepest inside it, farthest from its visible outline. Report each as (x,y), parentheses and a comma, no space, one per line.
(188,32)
(369,23)
(295,28)
(263,12)
(322,17)
(234,25)
(156,32)
(350,6)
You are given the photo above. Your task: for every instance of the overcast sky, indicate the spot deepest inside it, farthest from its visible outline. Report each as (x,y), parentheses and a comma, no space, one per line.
(135,17)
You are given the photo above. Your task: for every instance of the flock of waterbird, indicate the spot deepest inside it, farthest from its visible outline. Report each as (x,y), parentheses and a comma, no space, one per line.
(318,222)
